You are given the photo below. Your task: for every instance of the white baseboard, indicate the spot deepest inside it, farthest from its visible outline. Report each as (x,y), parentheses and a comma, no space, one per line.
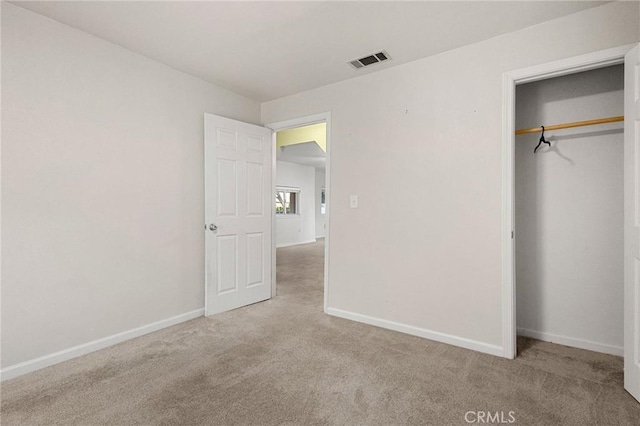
(76,351)
(570,341)
(420,332)
(295,244)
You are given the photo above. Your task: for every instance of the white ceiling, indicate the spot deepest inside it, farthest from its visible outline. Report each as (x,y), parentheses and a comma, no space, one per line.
(267,50)
(306,153)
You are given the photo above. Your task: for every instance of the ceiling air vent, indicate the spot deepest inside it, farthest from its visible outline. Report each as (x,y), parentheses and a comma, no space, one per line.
(370,60)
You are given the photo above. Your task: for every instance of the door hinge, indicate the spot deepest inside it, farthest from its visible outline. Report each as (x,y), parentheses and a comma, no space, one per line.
(512,235)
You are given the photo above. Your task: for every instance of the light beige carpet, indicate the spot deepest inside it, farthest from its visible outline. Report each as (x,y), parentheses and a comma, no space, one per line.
(285,362)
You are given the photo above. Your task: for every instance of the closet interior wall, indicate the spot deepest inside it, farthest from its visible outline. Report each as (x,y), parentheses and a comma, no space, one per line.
(569,212)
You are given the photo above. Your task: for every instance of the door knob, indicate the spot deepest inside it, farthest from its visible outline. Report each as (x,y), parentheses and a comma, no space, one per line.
(213,227)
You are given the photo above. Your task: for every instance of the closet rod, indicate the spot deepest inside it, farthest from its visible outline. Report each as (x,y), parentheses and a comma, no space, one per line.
(574,124)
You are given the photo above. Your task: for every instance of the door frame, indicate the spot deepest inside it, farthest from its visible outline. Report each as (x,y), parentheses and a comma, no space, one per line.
(589,61)
(324,117)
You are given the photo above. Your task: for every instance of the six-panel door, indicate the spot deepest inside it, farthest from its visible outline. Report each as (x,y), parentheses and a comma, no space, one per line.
(238,203)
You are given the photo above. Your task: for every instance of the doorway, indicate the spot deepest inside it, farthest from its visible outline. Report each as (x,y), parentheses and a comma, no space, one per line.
(628,55)
(301,193)
(569,212)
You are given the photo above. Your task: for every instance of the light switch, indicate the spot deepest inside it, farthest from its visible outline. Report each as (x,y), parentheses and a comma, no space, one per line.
(354,201)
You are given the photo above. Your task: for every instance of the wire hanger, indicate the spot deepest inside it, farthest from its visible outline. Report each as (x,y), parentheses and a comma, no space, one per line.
(542,140)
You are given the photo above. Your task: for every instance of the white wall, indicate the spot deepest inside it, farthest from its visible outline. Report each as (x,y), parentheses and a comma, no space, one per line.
(102,186)
(569,211)
(421,145)
(300,228)
(320,217)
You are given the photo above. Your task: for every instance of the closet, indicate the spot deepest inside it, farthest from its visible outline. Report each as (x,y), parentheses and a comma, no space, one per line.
(569,211)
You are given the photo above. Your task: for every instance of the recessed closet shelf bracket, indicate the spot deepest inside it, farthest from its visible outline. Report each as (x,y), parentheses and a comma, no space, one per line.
(569,125)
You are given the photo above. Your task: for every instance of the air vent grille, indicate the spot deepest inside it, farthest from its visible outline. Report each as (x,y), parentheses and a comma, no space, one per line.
(370,59)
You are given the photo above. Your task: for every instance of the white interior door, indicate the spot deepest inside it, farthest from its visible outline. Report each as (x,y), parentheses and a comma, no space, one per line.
(238,208)
(632,222)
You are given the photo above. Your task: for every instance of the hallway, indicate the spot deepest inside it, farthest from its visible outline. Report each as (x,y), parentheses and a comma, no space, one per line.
(300,273)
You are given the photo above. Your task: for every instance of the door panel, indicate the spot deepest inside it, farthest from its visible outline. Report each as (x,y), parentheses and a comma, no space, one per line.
(255,190)
(227,191)
(255,257)
(632,223)
(238,238)
(254,144)
(227,138)
(227,263)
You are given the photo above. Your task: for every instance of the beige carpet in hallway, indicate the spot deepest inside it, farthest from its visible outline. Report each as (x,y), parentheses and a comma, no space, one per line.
(284,362)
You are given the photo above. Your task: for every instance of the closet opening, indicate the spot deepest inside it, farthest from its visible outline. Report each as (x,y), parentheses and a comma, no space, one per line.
(569,211)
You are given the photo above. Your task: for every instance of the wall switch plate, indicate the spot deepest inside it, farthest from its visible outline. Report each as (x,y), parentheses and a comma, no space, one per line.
(353,201)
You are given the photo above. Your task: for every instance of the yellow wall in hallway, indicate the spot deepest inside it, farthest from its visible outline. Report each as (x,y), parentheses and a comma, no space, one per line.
(315,132)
